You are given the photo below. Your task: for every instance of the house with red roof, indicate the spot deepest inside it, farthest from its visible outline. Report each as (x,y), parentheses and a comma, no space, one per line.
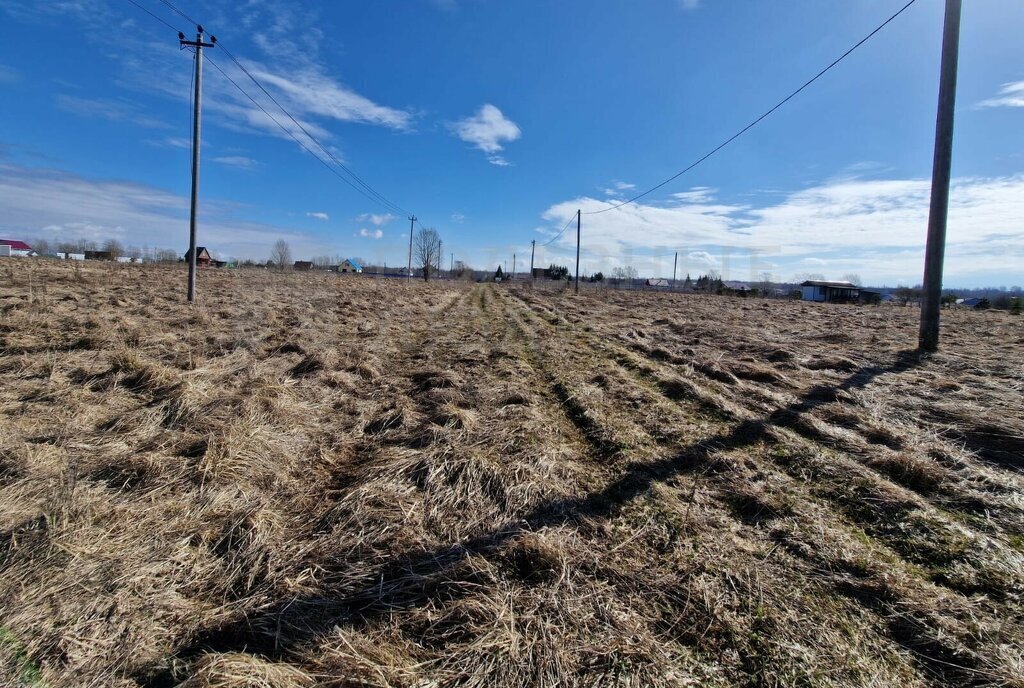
(13,247)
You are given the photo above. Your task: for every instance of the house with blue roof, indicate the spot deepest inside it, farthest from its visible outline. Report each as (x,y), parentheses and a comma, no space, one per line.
(350,266)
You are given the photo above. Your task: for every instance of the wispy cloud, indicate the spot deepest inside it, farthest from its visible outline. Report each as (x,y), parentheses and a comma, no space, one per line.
(239,161)
(9,75)
(319,216)
(1010,95)
(617,188)
(689,4)
(60,205)
(488,130)
(171,142)
(375,219)
(119,110)
(292,71)
(696,194)
(371,233)
(458,218)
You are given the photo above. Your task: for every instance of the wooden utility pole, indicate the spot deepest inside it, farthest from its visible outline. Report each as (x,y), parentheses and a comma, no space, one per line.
(935,249)
(579,223)
(533,249)
(412,226)
(197,103)
(675,263)
(513,266)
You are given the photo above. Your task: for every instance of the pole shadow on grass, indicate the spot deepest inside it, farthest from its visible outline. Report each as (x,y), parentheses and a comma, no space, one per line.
(411,580)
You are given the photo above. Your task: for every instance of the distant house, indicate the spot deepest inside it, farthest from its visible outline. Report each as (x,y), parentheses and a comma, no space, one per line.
(99,255)
(302,266)
(661,283)
(350,266)
(969,303)
(742,287)
(203,257)
(16,249)
(65,255)
(829,292)
(543,273)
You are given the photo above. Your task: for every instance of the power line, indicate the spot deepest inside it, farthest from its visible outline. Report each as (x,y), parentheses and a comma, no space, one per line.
(158,18)
(285,129)
(367,190)
(380,197)
(170,5)
(757,121)
(560,233)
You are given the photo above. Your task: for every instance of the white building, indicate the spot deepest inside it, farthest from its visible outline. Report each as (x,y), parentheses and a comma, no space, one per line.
(15,249)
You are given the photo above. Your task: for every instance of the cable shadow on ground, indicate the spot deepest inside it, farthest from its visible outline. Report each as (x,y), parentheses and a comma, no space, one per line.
(414,579)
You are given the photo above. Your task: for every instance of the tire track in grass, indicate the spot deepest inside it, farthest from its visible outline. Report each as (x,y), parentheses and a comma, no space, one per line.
(860,511)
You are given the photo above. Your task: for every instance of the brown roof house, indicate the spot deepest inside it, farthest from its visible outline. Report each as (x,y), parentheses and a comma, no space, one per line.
(203,257)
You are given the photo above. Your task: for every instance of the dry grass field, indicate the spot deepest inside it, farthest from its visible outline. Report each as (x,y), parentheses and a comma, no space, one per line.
(319,480)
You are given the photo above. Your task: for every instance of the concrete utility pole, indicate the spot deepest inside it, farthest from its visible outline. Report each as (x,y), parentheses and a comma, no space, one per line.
(533,249)
(412,226)
(935,249)
(579,224)
(675,263)
(197,99)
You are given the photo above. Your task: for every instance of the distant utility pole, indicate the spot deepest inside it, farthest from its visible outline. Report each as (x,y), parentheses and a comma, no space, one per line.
(451,265)
(579,224)
(533,249)
(412,226)
(935,249)
(675,262)
(440,253)
(197,99)
(513,266)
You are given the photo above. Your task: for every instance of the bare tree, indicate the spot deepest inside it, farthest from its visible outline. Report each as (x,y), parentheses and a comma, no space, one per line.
(114,248)
(42,246)
(281,255)
(853,278)
(427,249)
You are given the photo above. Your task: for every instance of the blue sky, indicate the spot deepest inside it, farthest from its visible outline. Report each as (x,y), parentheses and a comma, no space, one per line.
(494,121)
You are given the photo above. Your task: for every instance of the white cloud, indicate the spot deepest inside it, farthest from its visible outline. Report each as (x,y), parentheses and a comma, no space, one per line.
(873,227)
(172,142)
(239,161)
(319,216)
(371,234)
(689,4)
(115,110)
(1010,95)
(458,218)
(60,205)
(617,188)
(696,194)
(488,130)
(312,92)
(377,220)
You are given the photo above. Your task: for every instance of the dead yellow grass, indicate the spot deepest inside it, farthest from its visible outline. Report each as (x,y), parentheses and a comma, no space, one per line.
(318,480)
